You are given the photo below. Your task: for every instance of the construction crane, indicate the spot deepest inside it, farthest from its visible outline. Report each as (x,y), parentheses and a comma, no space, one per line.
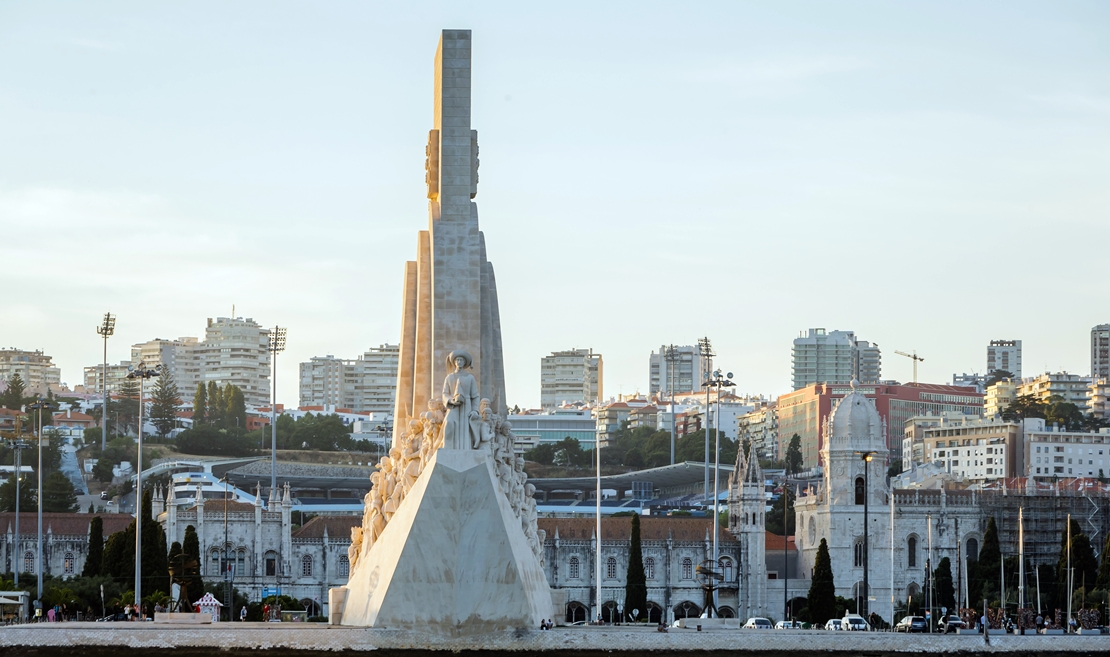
(915,358)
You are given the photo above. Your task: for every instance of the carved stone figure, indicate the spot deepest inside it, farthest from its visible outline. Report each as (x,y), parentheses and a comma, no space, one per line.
(461,397)
(488,427)
(355,548)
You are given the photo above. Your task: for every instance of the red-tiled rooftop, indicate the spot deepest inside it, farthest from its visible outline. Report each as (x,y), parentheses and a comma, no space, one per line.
(338,527)
(651,529)
(67,524)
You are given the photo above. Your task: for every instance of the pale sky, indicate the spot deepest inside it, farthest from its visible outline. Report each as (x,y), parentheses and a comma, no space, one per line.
(929,175)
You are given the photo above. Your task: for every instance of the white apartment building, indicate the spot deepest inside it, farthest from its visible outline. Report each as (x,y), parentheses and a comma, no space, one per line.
(365,384)
(999,396)
(117,374)
(976,450)
(1071,387)
(175,356)
(1060,454)
(574,375)
(965,380)
(821,356)
(1098,398)
(1004,355)
(760,427)
(1100,352)
(35,368)
(684,366)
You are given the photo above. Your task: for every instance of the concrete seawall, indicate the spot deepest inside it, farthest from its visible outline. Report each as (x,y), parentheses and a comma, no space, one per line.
(309,640)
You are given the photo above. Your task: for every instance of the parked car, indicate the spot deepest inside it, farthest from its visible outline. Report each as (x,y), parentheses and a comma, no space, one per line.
(832,624)
(951,624)
(758,624)
(103,494)
(854,623)
(912,624)
(788,625)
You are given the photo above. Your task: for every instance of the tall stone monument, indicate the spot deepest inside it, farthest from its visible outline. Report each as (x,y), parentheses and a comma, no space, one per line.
(449,541)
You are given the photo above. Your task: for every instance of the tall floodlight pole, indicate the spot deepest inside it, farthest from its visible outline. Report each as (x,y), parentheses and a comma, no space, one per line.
(39,405)
(277,345)
(1067,626)
(142,373)
(105,330)
(930,575)
(718,381)
(1021,568)
(705,349)
(892,553)
(670,356)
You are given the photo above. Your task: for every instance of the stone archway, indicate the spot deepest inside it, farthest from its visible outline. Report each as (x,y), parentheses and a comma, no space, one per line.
(654,613)
(686,609)
(577,612)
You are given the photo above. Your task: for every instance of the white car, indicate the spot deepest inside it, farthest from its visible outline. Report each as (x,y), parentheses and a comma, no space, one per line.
(832,624)
(788,625)
(854,623)
(758,624)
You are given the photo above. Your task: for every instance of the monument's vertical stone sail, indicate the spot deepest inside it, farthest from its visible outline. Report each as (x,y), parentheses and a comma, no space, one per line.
(455,302)
(449,540)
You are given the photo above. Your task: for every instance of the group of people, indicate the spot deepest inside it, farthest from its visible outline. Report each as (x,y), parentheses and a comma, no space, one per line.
(456,420)
(547,624)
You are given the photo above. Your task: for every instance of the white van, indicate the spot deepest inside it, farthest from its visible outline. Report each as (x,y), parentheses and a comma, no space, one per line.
(854,623)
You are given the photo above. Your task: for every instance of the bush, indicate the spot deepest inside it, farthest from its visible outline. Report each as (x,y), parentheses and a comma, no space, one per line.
(209,441)
(317,619)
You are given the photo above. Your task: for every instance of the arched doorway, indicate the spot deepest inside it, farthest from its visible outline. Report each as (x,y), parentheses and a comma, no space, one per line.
(311,606)
(686,609)
(577,613)
(654,613)
(609,612)
(726,612)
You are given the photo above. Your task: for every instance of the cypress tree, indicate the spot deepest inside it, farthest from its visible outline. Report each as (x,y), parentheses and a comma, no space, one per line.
(155,566)
(635,588)
(96,548)
(945,591)
(191,547)
(822,589)
(215,406)
(987,569)
(1103,580)
(236,412)
(200,405)
(1084,566)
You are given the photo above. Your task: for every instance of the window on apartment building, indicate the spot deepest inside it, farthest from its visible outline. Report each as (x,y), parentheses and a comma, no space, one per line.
(990,470)
(955,464)
(1038,470)
(1069,471)
(1058,469)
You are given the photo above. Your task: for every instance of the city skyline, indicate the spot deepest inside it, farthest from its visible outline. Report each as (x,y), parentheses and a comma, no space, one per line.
(166,177)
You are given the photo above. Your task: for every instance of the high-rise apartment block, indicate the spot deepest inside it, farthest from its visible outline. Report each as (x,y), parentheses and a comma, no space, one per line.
(570,376)
(35,369)
(117,374)
(1004,355)
(822,356)
(366,384)
(1100,352)
(684,365)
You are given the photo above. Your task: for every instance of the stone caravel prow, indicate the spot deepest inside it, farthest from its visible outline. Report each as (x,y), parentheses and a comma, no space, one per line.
(453,557)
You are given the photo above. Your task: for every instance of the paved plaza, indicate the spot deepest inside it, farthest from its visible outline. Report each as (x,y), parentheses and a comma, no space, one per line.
(311,639)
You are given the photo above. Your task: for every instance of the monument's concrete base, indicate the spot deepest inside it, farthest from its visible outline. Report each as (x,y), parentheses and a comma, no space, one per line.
(318,640)
(453,559)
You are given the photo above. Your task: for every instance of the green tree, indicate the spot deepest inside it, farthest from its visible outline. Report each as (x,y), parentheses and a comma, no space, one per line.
(1102,581)
(200,406)
(210,441)
(822,588)
(164,401)
(58,494)
(984,584)
(794,455)
(118,561)
(1084,566)
(12,397)
(216,407)
(190,546)
(1025,406)
(635,588)
(96,548)
(127,406)
(28,501)
(155,564)
(774,518)
(945,590)
(235,412)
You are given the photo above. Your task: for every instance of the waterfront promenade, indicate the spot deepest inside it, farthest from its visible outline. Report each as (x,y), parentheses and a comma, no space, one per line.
(310,639)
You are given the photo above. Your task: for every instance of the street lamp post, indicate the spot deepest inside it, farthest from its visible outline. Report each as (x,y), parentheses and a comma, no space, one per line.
(227,561)
(105,330)
(142,373)
(866,457)
(40,405)
(276,346)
